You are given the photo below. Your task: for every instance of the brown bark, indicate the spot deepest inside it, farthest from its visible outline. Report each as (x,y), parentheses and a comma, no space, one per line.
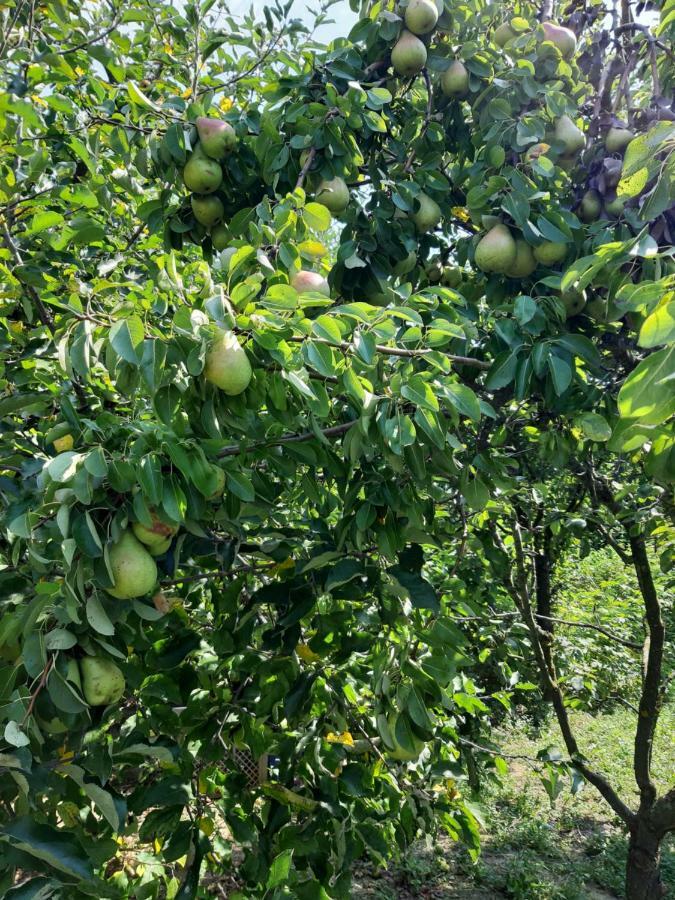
(643,875)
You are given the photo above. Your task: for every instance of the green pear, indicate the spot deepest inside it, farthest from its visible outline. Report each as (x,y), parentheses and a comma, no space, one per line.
(333,193)
(488,221)
(434,271)
(133,569)
(428,215)
(590,206)
(207,210)
(615,207)
(227,365)
(451,277)
(217,138)
(503,34)
(567,163)
(496,251)
(617,139)
(220,238)
(421,16)
(600,309)
(574,302)
(524,263)
(455,80)
(102,681)
(407,264)
(156,533)
(571,137)
(219,489)
(550,252)
(160,549)
(399,752)
(563,38)
(409,56)
(306,282)
(201,174)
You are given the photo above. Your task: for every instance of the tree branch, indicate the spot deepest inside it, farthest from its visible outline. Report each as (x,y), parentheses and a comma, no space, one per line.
(427,118)
(333,431)
(91,41)
(650,700)
(662,817)
(400,351)
(598,781)
(43,313)
(307,166)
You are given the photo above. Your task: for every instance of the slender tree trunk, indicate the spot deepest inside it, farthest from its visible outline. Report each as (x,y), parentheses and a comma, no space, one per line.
(643,874)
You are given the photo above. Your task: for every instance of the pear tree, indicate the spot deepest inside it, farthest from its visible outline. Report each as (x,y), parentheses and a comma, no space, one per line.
(304,350)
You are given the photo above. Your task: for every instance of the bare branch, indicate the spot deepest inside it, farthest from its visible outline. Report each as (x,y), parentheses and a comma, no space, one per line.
(334,431)
(598,781)
(650,700)
(307,166)
(401,351)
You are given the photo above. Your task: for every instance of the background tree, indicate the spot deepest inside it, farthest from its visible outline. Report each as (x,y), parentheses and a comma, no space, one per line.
(204,394)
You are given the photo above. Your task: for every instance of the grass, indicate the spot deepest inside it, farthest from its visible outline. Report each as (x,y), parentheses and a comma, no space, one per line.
(533,849)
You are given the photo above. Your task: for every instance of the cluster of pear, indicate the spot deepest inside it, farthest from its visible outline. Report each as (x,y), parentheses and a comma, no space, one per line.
(603,196)
(562,38)
(409,54)
(203,175)
(500,252)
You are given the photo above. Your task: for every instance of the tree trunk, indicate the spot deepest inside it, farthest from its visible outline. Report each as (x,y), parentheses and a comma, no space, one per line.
(643,873)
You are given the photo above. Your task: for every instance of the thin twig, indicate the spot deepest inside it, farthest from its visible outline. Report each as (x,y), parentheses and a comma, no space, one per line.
(400,351)
(33,697)
(43,313)
(91,41)
(219,573)
(307,166)
(334,431)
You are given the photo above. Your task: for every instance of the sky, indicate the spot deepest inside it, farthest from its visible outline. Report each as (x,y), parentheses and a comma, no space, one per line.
(340,12)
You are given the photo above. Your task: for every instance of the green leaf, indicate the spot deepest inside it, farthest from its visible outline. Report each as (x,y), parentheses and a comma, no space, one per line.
(15,736)
(659,327)
(86,535)
(240,485)
(126,338)
(98,617)
(418,391)
(503,370)
(648,393)
(594,426)
(344,571)
(475,493)
(421,592)
(101,799)
(280,869)
(137,96)
(561,373)
(44,220)
(463,399)
(418,711)
(60,639)
(317,216)
(49,845)
(62,467)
